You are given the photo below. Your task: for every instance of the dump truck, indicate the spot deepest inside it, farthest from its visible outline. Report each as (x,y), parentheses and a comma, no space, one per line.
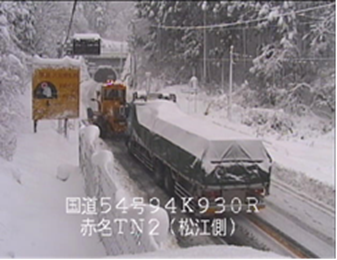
(212,169)
(112,109)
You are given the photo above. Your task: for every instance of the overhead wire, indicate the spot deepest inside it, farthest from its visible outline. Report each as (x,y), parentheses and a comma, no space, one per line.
(225,25)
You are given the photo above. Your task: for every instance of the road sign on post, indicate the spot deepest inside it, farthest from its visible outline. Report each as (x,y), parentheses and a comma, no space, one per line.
(55,89)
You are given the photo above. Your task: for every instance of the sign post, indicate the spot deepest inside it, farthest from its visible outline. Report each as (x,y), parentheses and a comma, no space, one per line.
(55,89)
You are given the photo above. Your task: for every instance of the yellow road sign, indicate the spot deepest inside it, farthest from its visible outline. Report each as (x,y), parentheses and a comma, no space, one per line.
(56,93)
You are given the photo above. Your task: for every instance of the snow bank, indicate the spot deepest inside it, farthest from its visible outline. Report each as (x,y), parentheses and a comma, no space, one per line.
(39,63)
(210,252)
(135,228)
(33,218)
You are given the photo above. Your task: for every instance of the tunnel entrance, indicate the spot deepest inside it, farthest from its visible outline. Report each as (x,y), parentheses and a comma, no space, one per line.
(104,73)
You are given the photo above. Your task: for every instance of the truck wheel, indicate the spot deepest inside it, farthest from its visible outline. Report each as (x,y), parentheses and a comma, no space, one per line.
(159,174)
(169,183)
(129,145)
(90,113)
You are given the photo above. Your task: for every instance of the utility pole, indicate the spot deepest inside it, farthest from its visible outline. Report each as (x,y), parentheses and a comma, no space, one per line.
(223,74)
(230,83)
(148,82)
(244,48)
(132,58)
(60,52)
(205,47)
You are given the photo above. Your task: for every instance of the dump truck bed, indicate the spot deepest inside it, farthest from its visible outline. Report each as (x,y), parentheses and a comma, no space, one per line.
(193,146)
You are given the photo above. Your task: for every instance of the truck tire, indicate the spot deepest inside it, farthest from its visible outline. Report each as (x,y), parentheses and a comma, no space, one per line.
(129,145)
(169,183)
(90,113)
(158,173)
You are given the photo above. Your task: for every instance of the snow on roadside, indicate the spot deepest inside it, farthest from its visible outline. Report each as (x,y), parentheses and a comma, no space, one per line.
(209,252)
(33,220)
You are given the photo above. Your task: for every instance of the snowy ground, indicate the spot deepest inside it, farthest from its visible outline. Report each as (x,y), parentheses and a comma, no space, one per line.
(33,220)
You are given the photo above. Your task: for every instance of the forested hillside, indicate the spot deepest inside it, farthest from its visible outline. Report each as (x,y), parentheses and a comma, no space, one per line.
(284,51)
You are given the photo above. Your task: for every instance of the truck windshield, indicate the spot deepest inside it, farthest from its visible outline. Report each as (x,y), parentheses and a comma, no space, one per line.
(110,94)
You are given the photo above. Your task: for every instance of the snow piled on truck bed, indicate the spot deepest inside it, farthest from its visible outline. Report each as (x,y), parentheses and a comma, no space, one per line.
(169,113)
(206,141)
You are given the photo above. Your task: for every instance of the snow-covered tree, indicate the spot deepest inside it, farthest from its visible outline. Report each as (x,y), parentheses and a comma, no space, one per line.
(12,71)
(20,23)
(52,20)
(283,44)
(100,16)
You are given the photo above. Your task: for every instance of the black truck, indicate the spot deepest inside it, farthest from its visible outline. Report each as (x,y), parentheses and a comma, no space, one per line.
(213,169)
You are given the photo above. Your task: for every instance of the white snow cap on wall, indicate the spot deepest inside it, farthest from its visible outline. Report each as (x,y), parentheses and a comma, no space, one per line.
(66,62)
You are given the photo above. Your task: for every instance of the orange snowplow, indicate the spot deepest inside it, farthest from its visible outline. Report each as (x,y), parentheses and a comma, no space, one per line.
(112,109)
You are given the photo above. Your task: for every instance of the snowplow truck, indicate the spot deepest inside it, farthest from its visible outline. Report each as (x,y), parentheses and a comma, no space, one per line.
(212,169)
(112,109)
